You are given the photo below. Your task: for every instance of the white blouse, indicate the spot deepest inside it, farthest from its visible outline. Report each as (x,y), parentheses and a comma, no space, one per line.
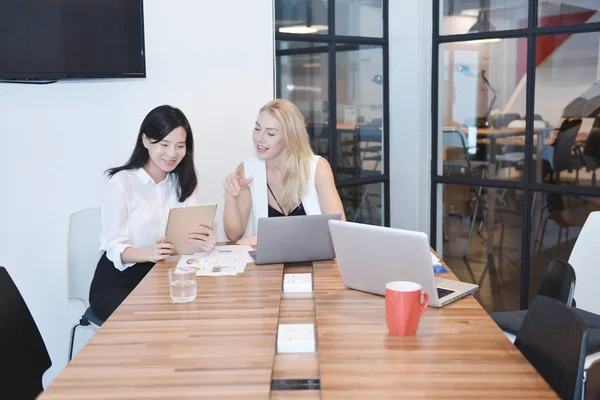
(135,212)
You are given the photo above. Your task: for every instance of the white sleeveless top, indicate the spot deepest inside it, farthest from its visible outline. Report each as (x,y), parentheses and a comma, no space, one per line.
(257,170)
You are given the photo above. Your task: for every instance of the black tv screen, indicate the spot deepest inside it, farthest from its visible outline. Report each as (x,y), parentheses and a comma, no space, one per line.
(60,39)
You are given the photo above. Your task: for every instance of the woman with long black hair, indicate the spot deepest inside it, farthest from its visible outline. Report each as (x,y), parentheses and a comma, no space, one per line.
(159,175)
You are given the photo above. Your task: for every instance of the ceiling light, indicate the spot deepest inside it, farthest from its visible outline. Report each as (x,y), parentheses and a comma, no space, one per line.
(292,88)
(303,29)
(482,24)
(491,40)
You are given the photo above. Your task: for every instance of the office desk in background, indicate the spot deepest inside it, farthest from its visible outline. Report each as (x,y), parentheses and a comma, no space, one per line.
(223,345)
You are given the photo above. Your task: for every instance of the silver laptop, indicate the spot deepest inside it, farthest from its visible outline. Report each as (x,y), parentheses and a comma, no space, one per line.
(294,239)
(371,256)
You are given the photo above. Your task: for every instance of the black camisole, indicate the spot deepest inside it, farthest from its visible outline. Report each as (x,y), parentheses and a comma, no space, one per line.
(276,213)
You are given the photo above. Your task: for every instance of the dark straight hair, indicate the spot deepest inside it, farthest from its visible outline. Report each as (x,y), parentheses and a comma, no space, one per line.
(157,125)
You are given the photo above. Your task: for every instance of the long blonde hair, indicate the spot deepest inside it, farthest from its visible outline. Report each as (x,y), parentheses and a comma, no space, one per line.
(296,167)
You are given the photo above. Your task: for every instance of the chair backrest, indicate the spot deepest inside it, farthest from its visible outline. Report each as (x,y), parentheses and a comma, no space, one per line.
(457,139)
(517,123)
(370,133)
(585,260)
(454,137)
(23,354)
(509,117)
(563,144)
(370,143)
(554,340)
(559,281)
(83,252)
(592,145)
(590,154)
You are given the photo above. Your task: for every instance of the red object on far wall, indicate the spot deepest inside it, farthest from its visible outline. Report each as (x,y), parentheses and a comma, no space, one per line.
(546,45)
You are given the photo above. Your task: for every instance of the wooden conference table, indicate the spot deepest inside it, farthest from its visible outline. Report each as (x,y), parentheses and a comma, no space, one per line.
(223,345)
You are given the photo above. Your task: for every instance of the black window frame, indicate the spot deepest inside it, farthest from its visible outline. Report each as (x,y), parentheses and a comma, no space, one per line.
(529,186)
(332,42)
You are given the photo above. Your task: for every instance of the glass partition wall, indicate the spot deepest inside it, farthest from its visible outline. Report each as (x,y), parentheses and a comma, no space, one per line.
(515,85)
(332,62)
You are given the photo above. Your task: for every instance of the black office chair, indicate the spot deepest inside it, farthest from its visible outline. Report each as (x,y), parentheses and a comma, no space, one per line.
(591,147)
(590,152)
(592,382)
(556,211)
(565,158)
(23,354)
(558,283)
(553,338)
(592,321)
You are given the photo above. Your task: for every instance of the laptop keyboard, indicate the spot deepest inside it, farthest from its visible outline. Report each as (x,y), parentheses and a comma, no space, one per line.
(443,292)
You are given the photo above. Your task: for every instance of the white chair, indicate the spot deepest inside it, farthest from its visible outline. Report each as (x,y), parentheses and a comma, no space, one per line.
(82,258)
(520,123)
(585,259)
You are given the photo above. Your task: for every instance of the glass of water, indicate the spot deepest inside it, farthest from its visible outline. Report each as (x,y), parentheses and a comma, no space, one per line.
(182,284)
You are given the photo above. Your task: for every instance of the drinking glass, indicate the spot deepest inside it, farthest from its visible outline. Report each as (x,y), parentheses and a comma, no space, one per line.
(182,284)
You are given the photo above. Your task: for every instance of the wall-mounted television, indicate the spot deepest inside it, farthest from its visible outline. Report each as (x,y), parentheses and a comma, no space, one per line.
(71,39)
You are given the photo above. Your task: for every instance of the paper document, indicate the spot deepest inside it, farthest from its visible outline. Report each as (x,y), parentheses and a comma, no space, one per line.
(223,260)
(434,260)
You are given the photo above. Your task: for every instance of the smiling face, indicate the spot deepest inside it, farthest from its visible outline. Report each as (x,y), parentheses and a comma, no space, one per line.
(166,154)
(268,137)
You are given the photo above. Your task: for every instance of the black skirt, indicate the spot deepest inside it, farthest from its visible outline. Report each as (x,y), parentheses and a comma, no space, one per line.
(110,286)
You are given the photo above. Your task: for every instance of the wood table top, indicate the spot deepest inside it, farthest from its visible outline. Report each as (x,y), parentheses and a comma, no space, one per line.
(223,345)
(506,132)
(458,351)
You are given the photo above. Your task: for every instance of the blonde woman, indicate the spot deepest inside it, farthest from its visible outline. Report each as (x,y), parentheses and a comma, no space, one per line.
(285,178)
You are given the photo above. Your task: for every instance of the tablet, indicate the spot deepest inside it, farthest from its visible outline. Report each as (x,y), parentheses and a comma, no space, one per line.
(185,220)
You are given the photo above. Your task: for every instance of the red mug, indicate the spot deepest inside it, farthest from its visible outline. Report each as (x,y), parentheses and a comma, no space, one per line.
(403,307)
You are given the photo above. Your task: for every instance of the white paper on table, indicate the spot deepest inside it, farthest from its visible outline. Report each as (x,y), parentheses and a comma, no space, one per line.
(239,251)
(207,264)
(223,260)
(434,260)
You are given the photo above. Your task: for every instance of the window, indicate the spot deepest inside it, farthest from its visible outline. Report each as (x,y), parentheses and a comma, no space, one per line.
(331,61)
(515,86)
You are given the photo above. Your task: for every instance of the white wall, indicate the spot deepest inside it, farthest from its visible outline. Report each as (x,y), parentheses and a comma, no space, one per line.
(207,57)
(410,113)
